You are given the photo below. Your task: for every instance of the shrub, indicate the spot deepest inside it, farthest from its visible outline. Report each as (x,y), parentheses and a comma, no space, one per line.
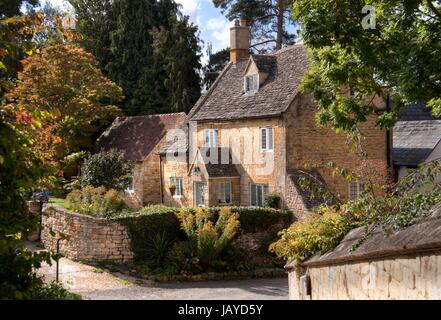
(53,291)
(315,235)
(147,224)
(254,219)
(272,200)
(98,202)
(108,169)
(412,198)
(207,241)
(157,249)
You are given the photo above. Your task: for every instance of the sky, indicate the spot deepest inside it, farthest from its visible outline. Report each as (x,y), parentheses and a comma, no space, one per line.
(213,26)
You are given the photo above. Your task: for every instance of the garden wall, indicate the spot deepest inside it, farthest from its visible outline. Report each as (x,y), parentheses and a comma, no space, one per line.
(404,265)
(90,239)
(125,238)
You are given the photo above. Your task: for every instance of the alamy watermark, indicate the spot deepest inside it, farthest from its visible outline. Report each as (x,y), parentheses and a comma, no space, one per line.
(369,20)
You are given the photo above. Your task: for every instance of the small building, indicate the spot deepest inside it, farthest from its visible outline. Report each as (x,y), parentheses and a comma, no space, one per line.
(141,138)
(417,139)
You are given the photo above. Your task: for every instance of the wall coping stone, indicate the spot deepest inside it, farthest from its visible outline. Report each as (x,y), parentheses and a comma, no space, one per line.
(423,236)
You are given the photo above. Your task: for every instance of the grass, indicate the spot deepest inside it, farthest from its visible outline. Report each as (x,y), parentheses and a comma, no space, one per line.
(61,202)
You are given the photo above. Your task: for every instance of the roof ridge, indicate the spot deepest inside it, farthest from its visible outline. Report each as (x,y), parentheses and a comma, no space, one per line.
(153,115)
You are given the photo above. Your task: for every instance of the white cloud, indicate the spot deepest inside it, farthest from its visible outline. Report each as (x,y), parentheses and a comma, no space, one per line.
(190,8)
(219,29)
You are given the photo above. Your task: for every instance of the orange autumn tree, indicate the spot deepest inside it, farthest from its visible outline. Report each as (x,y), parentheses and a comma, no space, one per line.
(65,84)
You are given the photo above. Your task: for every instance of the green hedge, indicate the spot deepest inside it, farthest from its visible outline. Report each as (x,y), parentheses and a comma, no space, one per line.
(150,221)
(253,219)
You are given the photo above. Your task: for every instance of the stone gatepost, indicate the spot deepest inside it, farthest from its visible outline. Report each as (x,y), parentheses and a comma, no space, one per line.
(296,276)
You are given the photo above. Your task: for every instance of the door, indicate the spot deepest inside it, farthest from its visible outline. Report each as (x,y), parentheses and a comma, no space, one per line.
(199,194)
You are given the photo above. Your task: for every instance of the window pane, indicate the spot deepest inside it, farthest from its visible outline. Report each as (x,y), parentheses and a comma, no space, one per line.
(207,138)
(253,195)
(263,139)
(227,193)
(221,193)
(216,137)
(259,196)
(270,139)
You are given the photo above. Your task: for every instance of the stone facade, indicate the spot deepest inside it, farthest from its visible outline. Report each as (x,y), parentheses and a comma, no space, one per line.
(405,265)
(308,145)
(89,239)
(298,144)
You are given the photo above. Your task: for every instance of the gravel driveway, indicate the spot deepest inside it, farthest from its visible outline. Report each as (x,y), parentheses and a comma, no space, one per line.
(94,284)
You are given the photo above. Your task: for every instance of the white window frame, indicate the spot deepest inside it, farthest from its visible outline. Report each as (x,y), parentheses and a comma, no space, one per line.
(355,190)
(222,195)
(179,183)
(255,78)
(131,188)
(268,145)
(211,138)
(263,189)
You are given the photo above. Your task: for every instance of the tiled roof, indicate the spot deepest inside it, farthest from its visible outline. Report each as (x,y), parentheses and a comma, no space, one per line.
(138,136)
(217,168)
(416,112)
(227,100)
(414,141)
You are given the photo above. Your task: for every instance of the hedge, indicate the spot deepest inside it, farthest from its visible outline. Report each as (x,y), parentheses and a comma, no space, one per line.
(254,219)
(146,223)
(149,221)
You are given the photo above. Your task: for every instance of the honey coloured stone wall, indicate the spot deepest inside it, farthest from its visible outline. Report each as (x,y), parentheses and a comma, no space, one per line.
(89,239)
(308,145)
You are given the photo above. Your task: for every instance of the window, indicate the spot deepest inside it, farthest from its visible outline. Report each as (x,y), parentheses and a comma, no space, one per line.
(266,139)
(131,183)
(211,138)
(225,194)
(178,183)
(258,192)
(252,83)
(355,190)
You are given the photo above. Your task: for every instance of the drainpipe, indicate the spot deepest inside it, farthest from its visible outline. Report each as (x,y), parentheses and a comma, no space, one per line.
(161,181)
(389,137)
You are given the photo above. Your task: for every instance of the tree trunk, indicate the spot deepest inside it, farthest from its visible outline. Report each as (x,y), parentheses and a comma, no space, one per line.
(280,16)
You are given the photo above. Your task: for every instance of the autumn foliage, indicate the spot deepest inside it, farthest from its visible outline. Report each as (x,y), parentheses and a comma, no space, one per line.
(63,86)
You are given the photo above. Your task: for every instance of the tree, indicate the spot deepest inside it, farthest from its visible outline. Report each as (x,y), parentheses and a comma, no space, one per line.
(147,47)
(107,169)
(21,165)
(216,64)
(16,35)
(399,57)
(10,8)
(65,83)
(95,21)
(269,19)
(176,52)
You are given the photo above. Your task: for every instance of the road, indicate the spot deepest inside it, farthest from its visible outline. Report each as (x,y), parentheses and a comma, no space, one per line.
(94,284)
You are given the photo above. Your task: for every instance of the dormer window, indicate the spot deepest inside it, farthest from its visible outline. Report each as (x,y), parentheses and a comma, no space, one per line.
(251,83)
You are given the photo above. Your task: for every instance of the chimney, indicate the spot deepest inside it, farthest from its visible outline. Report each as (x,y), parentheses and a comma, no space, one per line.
(240,41)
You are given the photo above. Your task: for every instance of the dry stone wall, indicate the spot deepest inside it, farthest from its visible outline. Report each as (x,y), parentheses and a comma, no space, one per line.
(89,239)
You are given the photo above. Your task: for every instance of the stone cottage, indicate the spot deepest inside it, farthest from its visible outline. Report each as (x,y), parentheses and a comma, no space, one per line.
(253,133)
(141,139)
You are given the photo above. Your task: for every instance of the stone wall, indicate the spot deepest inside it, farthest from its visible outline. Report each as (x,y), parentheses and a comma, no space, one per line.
(90,239)
(309,145)
(403,266)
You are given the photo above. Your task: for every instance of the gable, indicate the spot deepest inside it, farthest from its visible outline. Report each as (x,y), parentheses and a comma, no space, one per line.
(228,101)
